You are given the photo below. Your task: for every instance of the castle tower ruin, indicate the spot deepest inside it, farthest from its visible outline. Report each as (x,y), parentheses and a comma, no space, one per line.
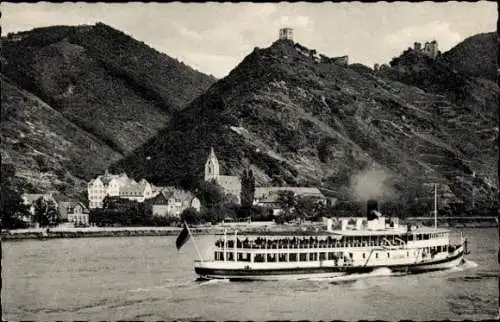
(431,49)
(286,34)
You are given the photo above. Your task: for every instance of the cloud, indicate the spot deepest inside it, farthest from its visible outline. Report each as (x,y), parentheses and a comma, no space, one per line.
(368,33)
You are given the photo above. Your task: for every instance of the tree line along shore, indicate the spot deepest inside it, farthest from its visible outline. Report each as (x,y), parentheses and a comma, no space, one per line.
(243,228)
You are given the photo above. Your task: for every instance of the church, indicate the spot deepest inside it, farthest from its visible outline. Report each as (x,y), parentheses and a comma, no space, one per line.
(230,184)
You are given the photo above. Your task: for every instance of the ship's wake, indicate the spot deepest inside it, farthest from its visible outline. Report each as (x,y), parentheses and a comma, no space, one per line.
(214,281)
(378,272)
(464,265)
(169,283)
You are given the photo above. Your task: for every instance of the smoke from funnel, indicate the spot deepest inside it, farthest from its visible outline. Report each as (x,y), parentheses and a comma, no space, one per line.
(371,184)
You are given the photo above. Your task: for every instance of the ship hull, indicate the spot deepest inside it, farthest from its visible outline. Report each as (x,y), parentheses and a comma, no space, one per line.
(206,271)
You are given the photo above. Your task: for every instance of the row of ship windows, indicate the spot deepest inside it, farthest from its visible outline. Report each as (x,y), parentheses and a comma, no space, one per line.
(425,236)
(303,257)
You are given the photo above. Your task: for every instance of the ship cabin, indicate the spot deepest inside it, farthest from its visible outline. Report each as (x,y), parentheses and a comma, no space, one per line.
(333,245)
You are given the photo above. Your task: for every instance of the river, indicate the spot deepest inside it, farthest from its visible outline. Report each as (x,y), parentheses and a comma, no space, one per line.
(145,278)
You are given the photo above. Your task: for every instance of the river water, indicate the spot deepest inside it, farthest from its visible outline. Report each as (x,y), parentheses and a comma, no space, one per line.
(145,278)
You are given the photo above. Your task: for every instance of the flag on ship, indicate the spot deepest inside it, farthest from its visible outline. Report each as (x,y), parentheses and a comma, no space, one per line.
(183,237)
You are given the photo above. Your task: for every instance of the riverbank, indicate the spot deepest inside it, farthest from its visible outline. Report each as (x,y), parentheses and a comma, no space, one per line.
(92,232)
(243,228)
(89,232)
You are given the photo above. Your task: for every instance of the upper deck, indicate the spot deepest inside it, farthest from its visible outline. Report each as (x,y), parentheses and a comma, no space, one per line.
(390,231)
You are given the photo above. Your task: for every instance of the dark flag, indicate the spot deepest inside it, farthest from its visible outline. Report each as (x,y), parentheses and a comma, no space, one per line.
(183,237)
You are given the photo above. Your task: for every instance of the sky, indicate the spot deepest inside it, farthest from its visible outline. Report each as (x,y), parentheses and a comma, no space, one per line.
(214,38)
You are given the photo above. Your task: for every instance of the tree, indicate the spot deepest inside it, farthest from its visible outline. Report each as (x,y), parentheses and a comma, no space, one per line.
(210,194)
(247,192)
(11,203)
(286,201)
(40,212)
(305,207)
(212,215)
(46,212)
(190,216)
(52,214)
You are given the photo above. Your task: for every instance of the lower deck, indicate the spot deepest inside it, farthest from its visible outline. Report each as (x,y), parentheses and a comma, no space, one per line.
(320,268)
(362,256)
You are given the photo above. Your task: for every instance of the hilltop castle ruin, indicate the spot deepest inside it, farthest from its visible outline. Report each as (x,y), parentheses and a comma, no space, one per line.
(430,48)
(286,34)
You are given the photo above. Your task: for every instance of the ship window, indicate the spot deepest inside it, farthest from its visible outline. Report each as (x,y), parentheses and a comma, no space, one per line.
(271,257)
(230,256)
(331,255)
(259,258)
(445,248)
(282,257)
(419,237)
(313,256)
(350,255)
(293,257)
(376,255)
(388,255)
(407,254)
(303,257)
(243,257)
(322,256)
(439,249)
(410,237)
(426,236)
(364,255)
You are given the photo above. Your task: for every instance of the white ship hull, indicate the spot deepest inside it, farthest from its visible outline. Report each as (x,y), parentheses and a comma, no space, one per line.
(315,270)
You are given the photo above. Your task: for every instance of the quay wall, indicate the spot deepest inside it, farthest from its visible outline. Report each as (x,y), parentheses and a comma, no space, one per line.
(249,228)
(44,233)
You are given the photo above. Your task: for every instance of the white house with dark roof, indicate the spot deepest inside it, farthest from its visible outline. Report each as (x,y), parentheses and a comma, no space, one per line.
(117,186)
(78,213)
(172,202)
(230,184)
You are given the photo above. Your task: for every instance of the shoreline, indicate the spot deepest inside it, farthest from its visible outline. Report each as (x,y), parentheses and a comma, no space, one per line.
(95,232)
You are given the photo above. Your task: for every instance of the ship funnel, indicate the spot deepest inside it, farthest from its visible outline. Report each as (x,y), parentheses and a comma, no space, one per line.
(329,224)
(372,209)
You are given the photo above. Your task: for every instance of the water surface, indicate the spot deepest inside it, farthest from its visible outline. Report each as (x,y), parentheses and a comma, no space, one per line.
(145,278)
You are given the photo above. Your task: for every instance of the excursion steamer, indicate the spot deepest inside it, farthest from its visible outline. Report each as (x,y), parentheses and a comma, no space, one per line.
(369,245)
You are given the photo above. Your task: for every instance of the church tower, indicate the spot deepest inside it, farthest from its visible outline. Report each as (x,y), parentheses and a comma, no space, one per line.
(212,166)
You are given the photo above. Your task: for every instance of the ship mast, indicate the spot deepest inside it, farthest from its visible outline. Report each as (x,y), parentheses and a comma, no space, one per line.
(435,205)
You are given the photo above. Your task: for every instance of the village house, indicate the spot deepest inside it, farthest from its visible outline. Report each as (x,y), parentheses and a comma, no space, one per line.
(172,202)
(230,184)
(268,196)
(77,213)
(121,186)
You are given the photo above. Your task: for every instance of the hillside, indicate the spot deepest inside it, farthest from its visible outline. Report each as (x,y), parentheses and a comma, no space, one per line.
(476,56)
(49,151)
(297,120)
(112,88)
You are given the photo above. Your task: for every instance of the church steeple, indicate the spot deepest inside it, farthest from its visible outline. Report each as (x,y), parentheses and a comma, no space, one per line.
(211,166)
